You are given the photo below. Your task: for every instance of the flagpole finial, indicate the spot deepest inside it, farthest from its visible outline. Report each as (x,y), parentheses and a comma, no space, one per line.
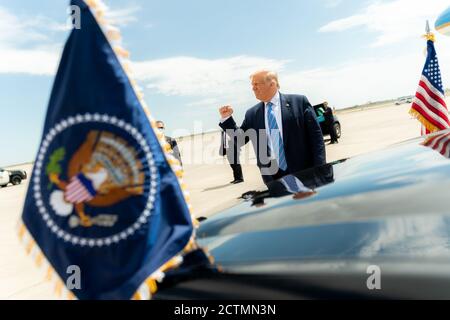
(429,35)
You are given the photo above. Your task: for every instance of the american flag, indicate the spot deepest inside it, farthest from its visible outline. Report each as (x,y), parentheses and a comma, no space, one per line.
(439,142)
(79,189)
(429,103)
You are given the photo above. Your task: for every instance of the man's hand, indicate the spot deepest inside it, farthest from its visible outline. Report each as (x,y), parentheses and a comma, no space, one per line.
(226,111)
(305,194)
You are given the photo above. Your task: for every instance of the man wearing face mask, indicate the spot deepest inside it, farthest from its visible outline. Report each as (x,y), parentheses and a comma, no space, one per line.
(171,141)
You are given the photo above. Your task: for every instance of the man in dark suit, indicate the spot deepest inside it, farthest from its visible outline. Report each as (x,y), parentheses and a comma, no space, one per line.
(230,148)
(283,129)
(172,142)
(329,122)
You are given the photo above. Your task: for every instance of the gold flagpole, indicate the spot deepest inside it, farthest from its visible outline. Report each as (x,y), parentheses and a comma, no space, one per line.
(428,34)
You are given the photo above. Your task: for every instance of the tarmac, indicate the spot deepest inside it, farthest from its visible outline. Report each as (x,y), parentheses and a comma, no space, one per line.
(207,176)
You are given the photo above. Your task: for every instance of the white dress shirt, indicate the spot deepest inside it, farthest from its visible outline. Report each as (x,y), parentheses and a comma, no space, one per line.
(225,140)
(276,107)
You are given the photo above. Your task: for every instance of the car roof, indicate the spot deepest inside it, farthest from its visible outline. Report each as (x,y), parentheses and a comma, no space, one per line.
(385,203)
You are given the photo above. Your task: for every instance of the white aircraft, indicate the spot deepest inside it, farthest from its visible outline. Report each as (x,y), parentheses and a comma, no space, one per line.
(4,177)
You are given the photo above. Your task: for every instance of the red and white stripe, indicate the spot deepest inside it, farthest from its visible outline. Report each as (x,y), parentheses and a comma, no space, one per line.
(430,103)
(440,143)
(424,130)
(76,192)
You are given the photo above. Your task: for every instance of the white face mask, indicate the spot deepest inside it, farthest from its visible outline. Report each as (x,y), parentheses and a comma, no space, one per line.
(161,130)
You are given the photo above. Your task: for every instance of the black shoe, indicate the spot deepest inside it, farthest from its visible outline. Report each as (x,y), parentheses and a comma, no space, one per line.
(235,181)
(334,142)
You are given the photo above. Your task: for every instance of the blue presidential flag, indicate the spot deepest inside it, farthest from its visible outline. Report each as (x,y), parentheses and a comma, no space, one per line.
(102,196)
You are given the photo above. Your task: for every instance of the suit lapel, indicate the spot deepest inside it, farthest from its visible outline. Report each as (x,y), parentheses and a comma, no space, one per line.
(285,115)
(260,120)
(260,127)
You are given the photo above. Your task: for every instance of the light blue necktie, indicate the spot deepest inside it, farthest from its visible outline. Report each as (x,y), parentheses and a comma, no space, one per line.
(291,184)
(275,137)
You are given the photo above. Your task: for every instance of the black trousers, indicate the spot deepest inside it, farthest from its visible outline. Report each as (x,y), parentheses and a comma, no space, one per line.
(333,133)
(329,124)
(237,171)
(233,160)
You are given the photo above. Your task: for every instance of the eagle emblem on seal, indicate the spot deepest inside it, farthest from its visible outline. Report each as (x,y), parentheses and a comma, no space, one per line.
(103,171)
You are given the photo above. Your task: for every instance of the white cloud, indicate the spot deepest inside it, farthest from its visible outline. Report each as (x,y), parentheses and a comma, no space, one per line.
(386,76)
(25,46)
(219,79)
(332,3)
(370,79)
(14,30)
(122,16)
(392,21)
(205,102)
(38,61)
(211,82)
(118,16)
(44,24)
(345,23)
(357,82)
(223,81)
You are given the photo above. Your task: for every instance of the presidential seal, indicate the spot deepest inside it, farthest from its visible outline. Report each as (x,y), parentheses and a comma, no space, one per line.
(105,179)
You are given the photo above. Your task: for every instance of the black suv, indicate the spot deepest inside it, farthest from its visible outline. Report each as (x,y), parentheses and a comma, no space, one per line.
(15,177)
(325,129)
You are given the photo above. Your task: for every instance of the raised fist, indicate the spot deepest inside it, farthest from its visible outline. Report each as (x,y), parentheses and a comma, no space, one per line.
(226,111)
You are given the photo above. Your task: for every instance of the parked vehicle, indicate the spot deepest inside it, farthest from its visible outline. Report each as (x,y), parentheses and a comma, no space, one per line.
(4,177)
(383,215)
(403,100)
(14,177)
(321,119)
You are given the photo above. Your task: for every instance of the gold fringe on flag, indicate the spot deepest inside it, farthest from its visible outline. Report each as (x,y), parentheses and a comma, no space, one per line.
(149,286)
(423,121)
(100,12)
(43,266)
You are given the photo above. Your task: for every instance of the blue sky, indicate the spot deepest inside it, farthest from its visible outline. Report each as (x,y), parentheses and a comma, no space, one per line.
(191,57)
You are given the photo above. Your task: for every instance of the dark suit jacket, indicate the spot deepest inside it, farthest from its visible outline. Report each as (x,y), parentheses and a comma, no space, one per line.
(302,136)
(328,115)
(233,157)
(222,149)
